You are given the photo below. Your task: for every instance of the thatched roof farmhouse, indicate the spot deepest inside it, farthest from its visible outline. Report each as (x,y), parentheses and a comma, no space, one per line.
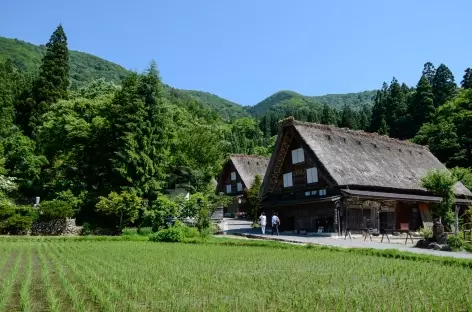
(341,178)
(237,174)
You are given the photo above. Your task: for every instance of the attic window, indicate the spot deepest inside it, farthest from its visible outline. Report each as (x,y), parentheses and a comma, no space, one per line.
(298,156)
(233,176)
(312,175)
(288,182)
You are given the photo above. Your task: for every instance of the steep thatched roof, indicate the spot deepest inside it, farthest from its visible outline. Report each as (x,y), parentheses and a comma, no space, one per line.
(248,166)
(357,158)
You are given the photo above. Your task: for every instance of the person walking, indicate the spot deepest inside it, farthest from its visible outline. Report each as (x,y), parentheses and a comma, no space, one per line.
(263,222)
(275,223)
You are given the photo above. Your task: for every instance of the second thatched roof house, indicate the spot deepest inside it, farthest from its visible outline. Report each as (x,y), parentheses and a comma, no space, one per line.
(326,179)
(238,174)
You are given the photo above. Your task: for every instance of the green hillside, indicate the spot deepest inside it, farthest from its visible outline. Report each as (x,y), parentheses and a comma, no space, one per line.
(225,108)
(289,99)
(85,68)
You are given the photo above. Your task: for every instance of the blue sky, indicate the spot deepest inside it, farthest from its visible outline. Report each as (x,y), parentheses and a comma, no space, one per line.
(245,50)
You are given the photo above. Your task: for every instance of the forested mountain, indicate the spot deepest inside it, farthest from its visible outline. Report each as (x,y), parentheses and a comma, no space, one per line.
(85,68)
(284,100)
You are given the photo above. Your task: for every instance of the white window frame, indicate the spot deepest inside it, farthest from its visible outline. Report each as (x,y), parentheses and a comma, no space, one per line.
(322,192)
(307,193)
(233,176)
(312,175)
(288,179)
(314,192)
(298,156)
(239,186)
(228,188)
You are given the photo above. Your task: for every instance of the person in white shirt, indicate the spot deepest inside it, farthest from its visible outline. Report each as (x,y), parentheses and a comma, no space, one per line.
(263,222)
(275,223)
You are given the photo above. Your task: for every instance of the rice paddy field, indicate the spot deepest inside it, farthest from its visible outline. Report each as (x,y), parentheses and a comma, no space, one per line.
(75,275)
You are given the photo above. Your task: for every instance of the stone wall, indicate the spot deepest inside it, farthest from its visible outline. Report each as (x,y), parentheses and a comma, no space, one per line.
(56,227)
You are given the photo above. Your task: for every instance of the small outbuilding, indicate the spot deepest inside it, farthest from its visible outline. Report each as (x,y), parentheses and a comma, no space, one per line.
(237,174)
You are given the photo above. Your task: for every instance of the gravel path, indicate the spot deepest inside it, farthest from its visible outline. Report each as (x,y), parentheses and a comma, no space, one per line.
(241,227)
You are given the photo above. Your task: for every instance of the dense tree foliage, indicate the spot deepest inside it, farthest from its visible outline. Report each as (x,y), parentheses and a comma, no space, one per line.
(449,133)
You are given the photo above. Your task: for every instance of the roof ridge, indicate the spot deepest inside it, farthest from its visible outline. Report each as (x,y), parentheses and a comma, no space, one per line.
(368,135)
(247,155)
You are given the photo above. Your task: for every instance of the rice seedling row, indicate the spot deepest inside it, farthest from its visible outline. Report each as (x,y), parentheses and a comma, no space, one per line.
(8,280)
(25,287)
(53,302)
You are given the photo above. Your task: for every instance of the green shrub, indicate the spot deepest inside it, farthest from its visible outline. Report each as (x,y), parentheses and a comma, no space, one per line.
(206,232)
(87,229)
(455,241)
(176,233)
(15,219)
(427,233)
(468,247)
(190,232)
(56,209)
(170,235)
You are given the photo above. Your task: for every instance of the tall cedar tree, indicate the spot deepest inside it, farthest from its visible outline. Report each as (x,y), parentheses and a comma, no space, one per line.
(383,129)
(467,81)
(142,135)
(365,115)
(252,198)
(429,72)
(422,105)
(379,109)
(53,79)
(328,116)
(349,118)
(396,108)
(444,87)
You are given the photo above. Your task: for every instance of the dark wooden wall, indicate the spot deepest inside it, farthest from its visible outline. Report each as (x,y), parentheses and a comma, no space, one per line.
(306,216)
(225,178)
(299,175)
